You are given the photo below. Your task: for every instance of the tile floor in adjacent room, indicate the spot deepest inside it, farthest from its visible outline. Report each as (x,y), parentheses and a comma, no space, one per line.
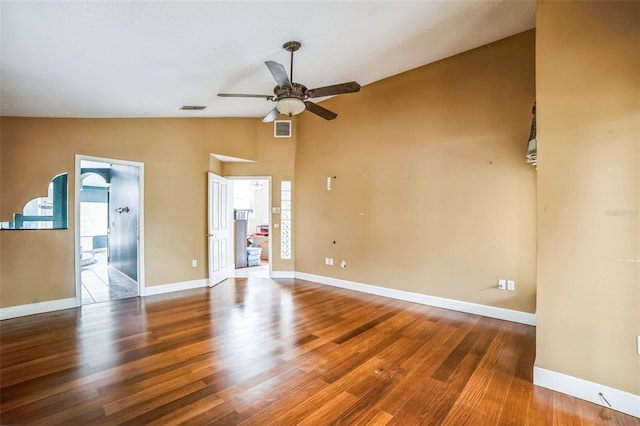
(101,283)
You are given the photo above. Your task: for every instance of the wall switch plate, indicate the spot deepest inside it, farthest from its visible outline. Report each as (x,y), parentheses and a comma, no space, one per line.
(502,284)
(326,260)
(331,261)
(275,210)
(194,263)
(511,285)
(638,345)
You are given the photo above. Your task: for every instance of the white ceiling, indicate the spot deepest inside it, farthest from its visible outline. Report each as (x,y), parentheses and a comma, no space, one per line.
(148,58)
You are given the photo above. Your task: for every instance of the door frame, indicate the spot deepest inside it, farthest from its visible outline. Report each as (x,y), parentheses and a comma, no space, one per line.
(78,184)
(269,179)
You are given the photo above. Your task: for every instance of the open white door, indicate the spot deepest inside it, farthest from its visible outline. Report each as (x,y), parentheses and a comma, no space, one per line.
(219,229)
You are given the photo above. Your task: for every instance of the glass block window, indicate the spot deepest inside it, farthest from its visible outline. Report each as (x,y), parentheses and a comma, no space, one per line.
(285,219)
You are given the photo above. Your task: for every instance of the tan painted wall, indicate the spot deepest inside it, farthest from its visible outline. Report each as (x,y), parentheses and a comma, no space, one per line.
(588,82)
(432,193)
(275,157)
(39,266)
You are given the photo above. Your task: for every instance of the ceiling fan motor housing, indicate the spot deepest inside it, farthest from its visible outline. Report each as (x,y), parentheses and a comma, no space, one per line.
(297,90)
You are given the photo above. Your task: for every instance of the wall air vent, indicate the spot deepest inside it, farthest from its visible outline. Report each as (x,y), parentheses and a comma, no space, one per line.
(282,129)
(192,107)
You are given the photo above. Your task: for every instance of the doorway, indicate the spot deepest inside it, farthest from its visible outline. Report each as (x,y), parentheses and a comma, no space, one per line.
(108,206)
(252,225)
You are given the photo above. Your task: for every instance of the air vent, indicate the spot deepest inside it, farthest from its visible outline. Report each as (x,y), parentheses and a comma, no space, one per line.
(282,128)
(192,107)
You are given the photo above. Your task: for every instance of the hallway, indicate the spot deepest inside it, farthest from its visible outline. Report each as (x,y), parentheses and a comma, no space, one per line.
(101,283)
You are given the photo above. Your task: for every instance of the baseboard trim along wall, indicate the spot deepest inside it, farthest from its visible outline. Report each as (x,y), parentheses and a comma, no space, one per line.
(37,308)
(622,401)
(169,288)
(282,274)
(471,308)
(439,302)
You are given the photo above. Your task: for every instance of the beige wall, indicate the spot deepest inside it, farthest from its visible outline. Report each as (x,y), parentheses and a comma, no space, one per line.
(274,157)
(588,90)
(39,265)
(432,193)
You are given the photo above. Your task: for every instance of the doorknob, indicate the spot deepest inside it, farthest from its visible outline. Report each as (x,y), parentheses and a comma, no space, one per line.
(210,235)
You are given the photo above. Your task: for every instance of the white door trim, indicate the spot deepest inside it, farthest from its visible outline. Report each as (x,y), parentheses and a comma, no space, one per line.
(76,202)
(269,179)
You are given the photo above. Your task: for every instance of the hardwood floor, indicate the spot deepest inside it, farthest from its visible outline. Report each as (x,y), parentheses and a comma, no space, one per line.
(260,352)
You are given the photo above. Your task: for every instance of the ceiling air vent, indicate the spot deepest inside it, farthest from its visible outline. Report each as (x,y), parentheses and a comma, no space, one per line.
(282,128)
(192,107)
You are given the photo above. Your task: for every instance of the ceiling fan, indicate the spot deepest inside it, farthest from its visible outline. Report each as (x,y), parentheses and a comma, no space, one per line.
(291,98)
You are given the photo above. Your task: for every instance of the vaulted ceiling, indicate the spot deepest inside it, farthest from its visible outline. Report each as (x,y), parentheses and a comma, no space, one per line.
(148,58)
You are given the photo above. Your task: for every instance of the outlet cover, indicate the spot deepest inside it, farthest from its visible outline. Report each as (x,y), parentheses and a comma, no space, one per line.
(502,284)
(194,263)
(511,285)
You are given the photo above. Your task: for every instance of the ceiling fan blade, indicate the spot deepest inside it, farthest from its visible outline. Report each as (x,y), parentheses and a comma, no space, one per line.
(320,111)
(244,95)
(279,73)
(271,116)
(336,89)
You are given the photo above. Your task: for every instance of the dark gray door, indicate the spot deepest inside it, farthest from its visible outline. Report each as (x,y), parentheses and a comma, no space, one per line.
(123,220)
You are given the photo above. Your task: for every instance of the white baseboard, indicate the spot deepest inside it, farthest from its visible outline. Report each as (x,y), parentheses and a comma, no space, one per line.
(440,302)
(282,274)
(55,305)
(168,288)
(37,308)
(622,401)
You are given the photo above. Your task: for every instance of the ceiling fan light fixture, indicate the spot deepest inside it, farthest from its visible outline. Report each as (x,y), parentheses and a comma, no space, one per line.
(290,106)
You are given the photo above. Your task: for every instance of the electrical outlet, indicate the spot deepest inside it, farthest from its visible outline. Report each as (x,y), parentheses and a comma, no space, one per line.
(638,345)
(502,284)
(326,260)
(194,263)
(331,261)
(511,285)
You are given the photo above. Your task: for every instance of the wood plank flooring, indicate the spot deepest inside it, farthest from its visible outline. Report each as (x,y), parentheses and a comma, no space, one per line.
(262,352)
